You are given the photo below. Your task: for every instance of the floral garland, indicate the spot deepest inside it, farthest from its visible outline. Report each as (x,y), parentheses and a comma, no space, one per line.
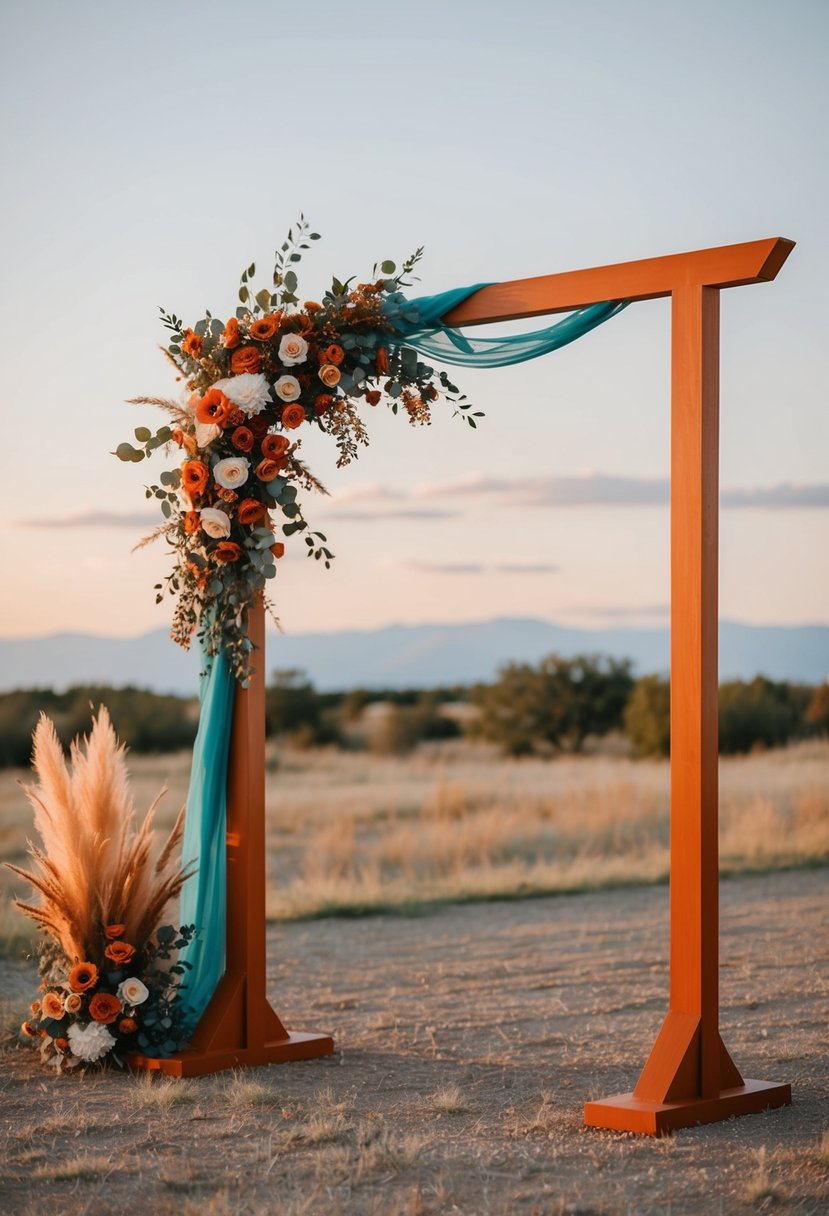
(125,1001)
(251,384)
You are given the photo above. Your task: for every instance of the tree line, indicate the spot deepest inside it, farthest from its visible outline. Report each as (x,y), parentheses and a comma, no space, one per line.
(548,708)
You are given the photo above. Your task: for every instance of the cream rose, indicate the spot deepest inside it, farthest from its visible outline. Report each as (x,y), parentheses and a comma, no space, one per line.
(72,1002)
(248,392)
(330,375)
(206,432)
(214,522)
(231,472)
(287,388)
(292,349)
(132,992)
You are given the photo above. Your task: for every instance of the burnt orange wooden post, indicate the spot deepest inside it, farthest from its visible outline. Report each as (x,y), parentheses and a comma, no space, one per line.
(239,1027)
(689,1077)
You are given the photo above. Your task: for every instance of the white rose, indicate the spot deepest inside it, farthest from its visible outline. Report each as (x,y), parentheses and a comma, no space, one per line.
(248,392)
(231,472)
(132,992)
(92,1041)
(292,349)
(215,522)
(287,388)
(329,374)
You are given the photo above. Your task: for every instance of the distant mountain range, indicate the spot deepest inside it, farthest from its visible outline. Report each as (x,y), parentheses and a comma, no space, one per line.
(406,655)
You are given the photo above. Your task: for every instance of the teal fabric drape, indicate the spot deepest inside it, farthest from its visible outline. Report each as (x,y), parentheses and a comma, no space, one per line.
(418,324)
(204,896)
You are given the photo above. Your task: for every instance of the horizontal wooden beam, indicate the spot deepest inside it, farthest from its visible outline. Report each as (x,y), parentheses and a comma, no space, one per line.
(724,266)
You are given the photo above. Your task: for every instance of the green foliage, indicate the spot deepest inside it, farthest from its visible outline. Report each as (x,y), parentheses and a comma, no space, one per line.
(817,711)
(762,713)
(145,721)
(554,705)
(648,717)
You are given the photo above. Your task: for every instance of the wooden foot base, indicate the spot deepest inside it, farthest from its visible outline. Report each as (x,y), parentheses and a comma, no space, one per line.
(626,1113)
(194,1063)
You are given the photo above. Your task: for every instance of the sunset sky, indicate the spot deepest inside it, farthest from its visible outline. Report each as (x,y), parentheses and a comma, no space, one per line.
(151,151)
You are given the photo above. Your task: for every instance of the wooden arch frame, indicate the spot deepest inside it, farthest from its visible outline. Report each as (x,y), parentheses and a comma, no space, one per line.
(689,1076)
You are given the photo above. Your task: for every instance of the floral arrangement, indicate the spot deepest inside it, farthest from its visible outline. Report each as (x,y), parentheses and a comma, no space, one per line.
(111,981)
(252,383)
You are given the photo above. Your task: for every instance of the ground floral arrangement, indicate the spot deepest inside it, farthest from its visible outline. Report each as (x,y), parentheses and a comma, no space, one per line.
(252,383)
(111,979)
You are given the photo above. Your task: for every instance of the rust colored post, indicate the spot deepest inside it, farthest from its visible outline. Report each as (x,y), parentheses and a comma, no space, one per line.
(239,1027)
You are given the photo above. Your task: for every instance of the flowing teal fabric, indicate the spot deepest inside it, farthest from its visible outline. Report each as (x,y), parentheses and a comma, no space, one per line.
(418,322)
(204,896)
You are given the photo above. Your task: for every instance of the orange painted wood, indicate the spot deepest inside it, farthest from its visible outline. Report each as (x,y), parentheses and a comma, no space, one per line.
(627,1113)
(239,1027)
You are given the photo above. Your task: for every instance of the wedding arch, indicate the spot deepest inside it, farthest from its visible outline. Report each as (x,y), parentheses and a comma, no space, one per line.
(689,1076)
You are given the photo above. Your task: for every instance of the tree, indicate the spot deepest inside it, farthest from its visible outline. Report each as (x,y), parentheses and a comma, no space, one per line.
(648,717)
(817,711)
(558,703)
(760,713)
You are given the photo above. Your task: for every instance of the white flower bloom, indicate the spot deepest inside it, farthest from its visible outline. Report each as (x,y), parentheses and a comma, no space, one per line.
(206,432)
(215,522)
(248,392)
(231,472)
(287,388)
(132,992)
(293,349)
(89,1042)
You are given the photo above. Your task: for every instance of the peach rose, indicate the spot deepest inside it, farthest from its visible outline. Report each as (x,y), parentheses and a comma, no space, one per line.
(274,446)
(293,416)
(231,336)
(52,1006)
(83,976)
(132,992)
(330,375)
(119,953)
(214,522)
(287,388)
(333,354)
(104,1007)
(250,511)
(72,1002)
(231,472)
(245,359)
(292,349)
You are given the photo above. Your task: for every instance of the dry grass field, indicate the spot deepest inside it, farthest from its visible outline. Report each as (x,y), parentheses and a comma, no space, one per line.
(469,1032)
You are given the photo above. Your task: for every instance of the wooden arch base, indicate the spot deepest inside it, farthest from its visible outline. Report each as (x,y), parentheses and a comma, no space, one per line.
(239,1029)
(689,1077)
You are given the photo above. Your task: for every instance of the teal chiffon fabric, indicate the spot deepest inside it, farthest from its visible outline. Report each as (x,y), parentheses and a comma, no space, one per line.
(417,323)
(204,896)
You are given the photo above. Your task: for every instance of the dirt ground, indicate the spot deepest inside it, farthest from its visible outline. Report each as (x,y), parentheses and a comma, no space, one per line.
(468,1039)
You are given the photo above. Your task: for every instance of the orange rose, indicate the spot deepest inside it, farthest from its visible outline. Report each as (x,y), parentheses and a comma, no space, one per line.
(373,396)
(333,354)
(266,470)
(231,337)
(264,328)
(127,1026)
(250,511)
(119,953)
(104,1007)
(192,523)
(259,425)
(62,1044)
(191,345)
(293,416)
(312,306)
(323,403)
(35,1008)
(28,1030)
(83,976)
(274,446)
(242,438)
(329,374)
(52,1005)
(227,551)
(214,408)
(178,436)
(245,359)
(381,361)
(113,931)
(278,549)
(194,475)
